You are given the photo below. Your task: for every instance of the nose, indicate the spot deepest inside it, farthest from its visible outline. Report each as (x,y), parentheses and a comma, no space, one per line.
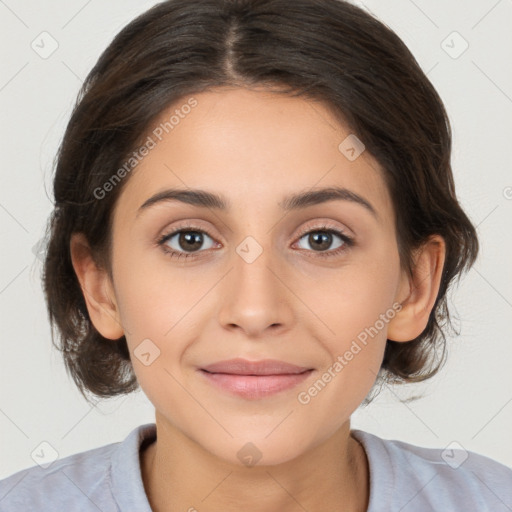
(256,295)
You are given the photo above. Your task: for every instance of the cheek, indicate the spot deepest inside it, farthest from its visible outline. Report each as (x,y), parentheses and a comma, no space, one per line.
(159,308)
(356,297)
(355,353)
(153,296)
(356,305)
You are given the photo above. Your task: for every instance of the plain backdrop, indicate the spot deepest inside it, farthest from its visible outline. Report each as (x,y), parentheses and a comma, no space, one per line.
(469,402)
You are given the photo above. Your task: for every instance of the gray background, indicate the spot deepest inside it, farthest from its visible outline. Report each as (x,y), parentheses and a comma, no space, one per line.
(469,402)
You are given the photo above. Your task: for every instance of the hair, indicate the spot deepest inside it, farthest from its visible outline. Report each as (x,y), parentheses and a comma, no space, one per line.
(326,50)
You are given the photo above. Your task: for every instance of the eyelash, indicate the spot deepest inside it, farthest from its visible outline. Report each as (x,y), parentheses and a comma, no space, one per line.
(348,242)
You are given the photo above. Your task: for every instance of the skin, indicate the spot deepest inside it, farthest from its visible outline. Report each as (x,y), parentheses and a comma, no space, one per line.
(255,147)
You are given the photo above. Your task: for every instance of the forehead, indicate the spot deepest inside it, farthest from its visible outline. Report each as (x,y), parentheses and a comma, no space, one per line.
(253,147)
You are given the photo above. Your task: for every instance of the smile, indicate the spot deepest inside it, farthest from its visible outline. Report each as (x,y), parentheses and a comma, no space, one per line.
(255,386)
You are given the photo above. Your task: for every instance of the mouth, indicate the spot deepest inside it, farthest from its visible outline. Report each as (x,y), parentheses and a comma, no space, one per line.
(241,366)
(254,380)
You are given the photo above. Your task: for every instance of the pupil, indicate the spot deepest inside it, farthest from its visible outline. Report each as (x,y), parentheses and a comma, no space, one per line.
(191,238)
(318,238)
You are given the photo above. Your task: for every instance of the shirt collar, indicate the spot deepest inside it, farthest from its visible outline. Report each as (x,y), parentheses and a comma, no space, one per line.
(126,477)
(381,468)
(129,493)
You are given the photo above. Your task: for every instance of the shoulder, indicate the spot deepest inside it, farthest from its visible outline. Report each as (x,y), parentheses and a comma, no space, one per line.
(416,478)
(79,478)
(105,478)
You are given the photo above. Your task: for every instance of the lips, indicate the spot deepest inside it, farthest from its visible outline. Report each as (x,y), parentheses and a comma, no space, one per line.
(254,380)
(264,367)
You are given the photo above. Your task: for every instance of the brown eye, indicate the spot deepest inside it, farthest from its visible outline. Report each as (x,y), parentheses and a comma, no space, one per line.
(184,242)
(190,240)
(317,241)
(322,240)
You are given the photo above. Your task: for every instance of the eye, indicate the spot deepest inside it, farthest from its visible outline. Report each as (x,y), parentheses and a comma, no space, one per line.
(184,242)
(321,239)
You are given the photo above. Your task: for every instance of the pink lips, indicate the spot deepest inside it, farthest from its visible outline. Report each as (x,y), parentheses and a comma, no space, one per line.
(255,379)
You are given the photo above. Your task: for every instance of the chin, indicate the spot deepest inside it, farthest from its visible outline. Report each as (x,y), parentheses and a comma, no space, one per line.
(254,449)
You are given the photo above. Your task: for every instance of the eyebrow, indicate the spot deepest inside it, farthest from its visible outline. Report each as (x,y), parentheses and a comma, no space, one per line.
(203,198)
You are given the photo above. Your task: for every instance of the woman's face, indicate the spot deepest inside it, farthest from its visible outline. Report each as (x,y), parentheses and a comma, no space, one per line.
(266,277)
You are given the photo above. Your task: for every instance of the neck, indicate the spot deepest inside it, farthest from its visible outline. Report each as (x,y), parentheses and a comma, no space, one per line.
(178,474)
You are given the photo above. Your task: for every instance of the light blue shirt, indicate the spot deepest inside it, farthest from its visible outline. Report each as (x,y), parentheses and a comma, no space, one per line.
(403,477)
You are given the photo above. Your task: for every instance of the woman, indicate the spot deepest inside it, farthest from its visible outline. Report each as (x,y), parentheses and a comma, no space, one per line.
(255,221)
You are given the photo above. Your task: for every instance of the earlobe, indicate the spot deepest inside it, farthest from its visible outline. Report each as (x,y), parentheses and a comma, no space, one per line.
(422,290)
(96,288)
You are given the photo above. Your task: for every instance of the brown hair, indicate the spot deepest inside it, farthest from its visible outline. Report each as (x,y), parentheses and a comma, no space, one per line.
(329,50)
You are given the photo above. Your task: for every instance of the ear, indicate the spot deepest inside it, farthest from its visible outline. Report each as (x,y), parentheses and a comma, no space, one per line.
(418,293)
(97,289)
